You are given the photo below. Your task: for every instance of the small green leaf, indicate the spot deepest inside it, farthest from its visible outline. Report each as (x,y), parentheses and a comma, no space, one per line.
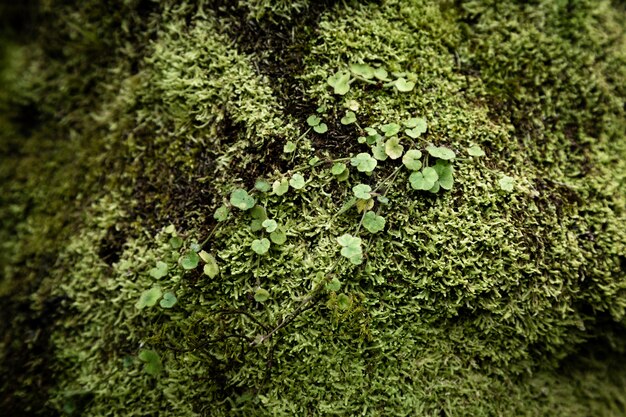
(195,246)
(261,295)
(364,162)
(393,148)
(149,298)
(322,109)
(170,229)
(221,214)
(211,268)
(381,74)
(321,128)
(338,168)
(260,246)
(297,181)
(159,271)
(362,191)
(270,225)
(378,151)
(343,302)
(168,300)
(189,260)
(441,152)
(506,183)
(152,362)
(349,118)
(340,82)
(241,199)
(424,180)
(417,126)
(278,236)
(333,285)
(258,212)
(444,171)
(262,186)
(175,242)
(373,222)
(314,161)
(403,85)
(256,225)
(313,120)
(475,150)
(351,248)
(390,129)
(289,147)
(411,159)
(363,70)
(280,187)
(344,175)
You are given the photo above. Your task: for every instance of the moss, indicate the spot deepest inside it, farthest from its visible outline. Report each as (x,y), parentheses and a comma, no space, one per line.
(475,301)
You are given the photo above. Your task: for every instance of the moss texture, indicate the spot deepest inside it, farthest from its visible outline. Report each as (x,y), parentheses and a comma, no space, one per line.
(129,123)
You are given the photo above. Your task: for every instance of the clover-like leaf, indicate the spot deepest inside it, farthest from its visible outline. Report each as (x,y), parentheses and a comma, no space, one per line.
(364,162)
(351,248)
(262,186)
(411,159)
(211,268)
(270,225)
(313,120)
(152,362)
(444,172)
(258,212)
(278,236)
(333,285)
(393,148)
(289,147)
(343,302)
(378,151)
(321,128)
(175,242)
(424,180)
(149,298)
(340,82)
(373,222)
(441,152)
(168,300)
(241,199)
(403,85)
(475,150)
(260,246)
(221,214)
(297,181)
(261,295)
(280,187)
(362,191)
(159,271)
(349,118)
(390,129)
(338,168)
(506,183)
(362,70)
(189,260)
(417,126)
(381,74)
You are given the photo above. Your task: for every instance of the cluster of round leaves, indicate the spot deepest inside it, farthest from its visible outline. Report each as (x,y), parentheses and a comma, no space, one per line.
(342,80)
(188,260)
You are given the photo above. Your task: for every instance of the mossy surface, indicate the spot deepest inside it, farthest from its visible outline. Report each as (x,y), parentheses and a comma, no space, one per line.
(129,124)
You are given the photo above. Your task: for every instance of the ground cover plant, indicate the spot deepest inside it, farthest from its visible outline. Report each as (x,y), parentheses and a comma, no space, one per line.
(258,208)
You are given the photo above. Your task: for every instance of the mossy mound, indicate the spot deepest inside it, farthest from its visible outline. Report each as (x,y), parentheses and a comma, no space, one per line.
(135,282)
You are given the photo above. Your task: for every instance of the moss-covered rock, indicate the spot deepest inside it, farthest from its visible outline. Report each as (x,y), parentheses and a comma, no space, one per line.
(180,237)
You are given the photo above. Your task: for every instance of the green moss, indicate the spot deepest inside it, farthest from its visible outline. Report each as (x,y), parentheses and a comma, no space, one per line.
(474,301)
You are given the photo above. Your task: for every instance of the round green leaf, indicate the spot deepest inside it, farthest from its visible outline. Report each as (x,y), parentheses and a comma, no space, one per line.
(189,260)
(262,186)
(321,128)
(349,118)
(260,246)
(297,181)
(411,159)
(390,129)
(261,295)
(362,191)
(424,180)
(221,214)
(211,268)
(340,82)
(373,222)
(343,302)
(403,85)
(381,74)
(444,172)
(363,70)
(475,150)
(278,236)
(152,362)
(338,168)
(364,162)
(441,152)
(175,242)
(270,225)
(168,300)
(506,183)
(280,187)
(313,120)
(149,298)
(393,148)
(289,147)
(333,285)
(241,199)
(159,271)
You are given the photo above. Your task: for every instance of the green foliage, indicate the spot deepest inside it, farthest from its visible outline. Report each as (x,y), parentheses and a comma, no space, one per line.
(411,159)
(149,298)
(351,248)
(297,181)
(425,179)
(260,246)
(261,295)
(441,152)
(506,183)
(211,267)
(340,82)
(403,85)
(189,260)
(152,362)
(393,149)
(270,225)
(241,199)
(362,191)
(159,271)
(349,118)
(364,162)
(475,150)
(280,187)
(168,300)
(373,222)
(221,214)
